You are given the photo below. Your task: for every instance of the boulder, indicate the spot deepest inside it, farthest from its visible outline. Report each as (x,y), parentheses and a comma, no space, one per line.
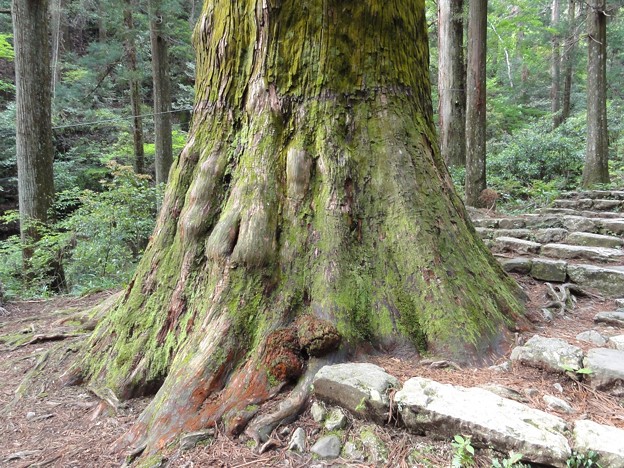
(611,226)
(546,236)
(517,265)
(615,318)
(594,254)
(607,280)
(606,441)
(607,370)
(517,233)
(429,407)
(491,223)
(549,270)
(511,244)
(551,354)
(542,222)
(592,336)
(511,223)
(594,240)
(616,342)
(606,205)
(579,223)
(360,388)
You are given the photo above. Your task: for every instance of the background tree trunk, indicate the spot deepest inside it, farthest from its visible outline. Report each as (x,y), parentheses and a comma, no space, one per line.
(475,102)
(596,169)
(162,92)
(555,64)
(309,212)
(568,60)
(134,88)
(452,82)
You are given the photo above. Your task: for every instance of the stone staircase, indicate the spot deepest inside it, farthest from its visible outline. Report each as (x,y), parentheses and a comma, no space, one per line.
(580,240)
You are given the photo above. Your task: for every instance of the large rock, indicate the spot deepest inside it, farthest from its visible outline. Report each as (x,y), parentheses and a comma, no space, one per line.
(517,233)
(511,223)
(606,441)
(594,254)
(607,370)
(428,407)
(361,388)
(491,223)
(607,280)
(576,204)
(592,336)
(511,244)
(579,223)
(606,205)
(615,318)
(613,226)
(616,342)
(516,265)
(551,354)
(549,270)
(546,236)
(542,222)
(594,240)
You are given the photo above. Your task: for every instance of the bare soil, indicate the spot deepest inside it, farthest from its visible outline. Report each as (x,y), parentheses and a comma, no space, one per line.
(43,423)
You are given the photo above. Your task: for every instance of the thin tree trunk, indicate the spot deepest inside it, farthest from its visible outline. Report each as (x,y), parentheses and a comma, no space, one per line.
(568,60)
(310,212)
(134,88)
(475,98)
(452,82)
(596,169)
(162,93)
(555,64)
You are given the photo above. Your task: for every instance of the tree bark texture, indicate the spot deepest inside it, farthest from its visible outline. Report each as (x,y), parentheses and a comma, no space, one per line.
(310,212)
(596,169)
(134,86)
(162,92)
(475,102)
(568,60)
(555,64)
(35,151)
(452,82)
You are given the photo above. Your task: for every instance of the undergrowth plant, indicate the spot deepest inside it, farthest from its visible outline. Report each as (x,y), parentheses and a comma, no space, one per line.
(463,452)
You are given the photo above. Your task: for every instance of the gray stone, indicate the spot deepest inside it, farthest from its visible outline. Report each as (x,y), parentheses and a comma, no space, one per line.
(607,370)
(516,233)
(546,236)
(504,367)
(606,441)
(327,448)
(548,315)
(619,302)
(557,404)
(191,439)
(579,223)
(551,354)
(298,441)
(606,205)
(351,452)
(511,244)
(505,392)
(607,280)
(360,388)
(336,420)
(318,412)
(594,254)
(511,223)
(549,270)
(594,240)
(611,226)
(517,265)
(592,336)
(557,386)
(542,222)
(485,222)
(485,233)
(617,342)
(428,407)
(615,318)
(375,448)
(578,204)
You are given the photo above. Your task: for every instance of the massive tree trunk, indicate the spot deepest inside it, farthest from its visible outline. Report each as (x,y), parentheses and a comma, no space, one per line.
(162,92)
(555,64)
(568,60)
(475,105)
(310,212)
(452,82)
(134,85)
(596,169)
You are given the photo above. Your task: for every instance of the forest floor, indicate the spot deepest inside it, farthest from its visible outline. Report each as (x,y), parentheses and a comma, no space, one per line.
(45,424)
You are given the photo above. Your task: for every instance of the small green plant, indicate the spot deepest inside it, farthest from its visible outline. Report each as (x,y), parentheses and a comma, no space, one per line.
(513,461)
(463,452)
(583,460)
(578,371)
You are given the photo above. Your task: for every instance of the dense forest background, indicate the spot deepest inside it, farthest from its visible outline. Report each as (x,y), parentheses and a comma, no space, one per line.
(105,208)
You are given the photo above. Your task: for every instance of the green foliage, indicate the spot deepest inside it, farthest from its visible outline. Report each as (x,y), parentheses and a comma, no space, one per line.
(513,461)
(98,240)
(583,460)
(463,452)
(6,49)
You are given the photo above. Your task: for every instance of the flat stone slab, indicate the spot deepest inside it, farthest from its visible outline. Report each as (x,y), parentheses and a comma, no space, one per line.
(511,223)
(516,265)
(550,354)
(429,407)
(611,226)
(607,280)
(592,336)
(549,270)
(607,370)
(360,388)
(327,448)
(546,236)
(511,244)
(594,240)
(485,222)
(542,222)
(606,441)
(516,233)
(616,342)
(615,318)
(593,194)
(569,252)
(580,223)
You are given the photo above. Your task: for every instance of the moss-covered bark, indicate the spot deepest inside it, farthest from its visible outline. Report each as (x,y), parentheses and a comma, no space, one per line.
(309,211)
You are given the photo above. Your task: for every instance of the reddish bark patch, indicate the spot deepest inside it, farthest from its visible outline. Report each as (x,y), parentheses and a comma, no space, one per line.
(282,356)
(317,337)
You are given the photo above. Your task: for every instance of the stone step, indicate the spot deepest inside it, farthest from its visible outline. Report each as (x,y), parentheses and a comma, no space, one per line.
(553,235)
(604,226)
(584,213)
(594,240)
(594,194)
(589,204)
(579,252)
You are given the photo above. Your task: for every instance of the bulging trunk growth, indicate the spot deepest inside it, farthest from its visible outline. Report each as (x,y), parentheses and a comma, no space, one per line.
(310,212)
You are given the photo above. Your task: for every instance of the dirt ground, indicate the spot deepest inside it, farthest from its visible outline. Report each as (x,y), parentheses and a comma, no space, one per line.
(45,424)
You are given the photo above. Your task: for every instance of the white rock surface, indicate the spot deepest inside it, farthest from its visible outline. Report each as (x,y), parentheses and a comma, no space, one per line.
(557,404)
(617,342)
(428,407)
(607,370)
(298,441)
(552,354)
(606,441)
(592,336)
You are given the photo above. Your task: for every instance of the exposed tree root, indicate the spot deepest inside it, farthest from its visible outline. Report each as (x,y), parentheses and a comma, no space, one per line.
(563,298)
(59,336)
